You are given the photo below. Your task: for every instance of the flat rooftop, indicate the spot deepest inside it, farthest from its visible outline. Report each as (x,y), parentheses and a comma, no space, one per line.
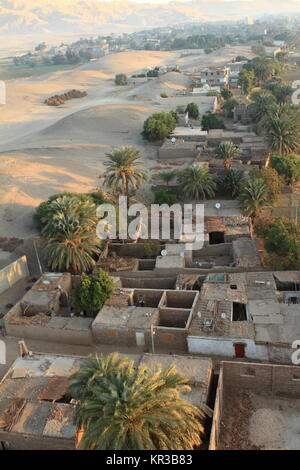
(189,132)
(258,407)
(33,399)
(271,301)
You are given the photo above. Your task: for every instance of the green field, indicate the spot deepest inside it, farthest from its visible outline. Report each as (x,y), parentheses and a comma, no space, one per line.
(11,72)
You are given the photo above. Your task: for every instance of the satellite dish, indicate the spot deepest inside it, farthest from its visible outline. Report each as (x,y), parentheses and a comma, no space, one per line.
(164,253)
(218,205)
(173,140)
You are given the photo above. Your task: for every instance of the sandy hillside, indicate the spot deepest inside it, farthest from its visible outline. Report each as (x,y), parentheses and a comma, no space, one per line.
(46,149)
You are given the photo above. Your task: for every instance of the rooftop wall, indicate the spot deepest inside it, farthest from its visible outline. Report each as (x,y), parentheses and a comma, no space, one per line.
(13,273)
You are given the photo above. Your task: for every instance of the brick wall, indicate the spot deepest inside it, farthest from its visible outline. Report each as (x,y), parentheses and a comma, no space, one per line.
(276,379)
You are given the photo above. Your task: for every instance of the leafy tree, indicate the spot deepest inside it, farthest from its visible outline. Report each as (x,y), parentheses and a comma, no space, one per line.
(175,115)
(196,182)
(193,110)
(246,81)
(41,47)
(226,93)
(259,50)
(231,182)
(262,225)
(168,176)
(241,58)
(121,406)
(254,197)
(121,79)
(59,59)
(282,242)
(92,292)
(210,121)
(159,126)
(227,151)
(124,169)
(228,107)
(163,95)
(164,197)
(272,180)
(287,166)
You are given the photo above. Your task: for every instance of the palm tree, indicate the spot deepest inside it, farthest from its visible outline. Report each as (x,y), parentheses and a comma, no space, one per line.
(262,103)
(72,251)
(282,129)
(263,68)
(168,176)
(66,214)
(124,170)
(231,182)
(124,407)
(196,182)
(254,197)
(227,151)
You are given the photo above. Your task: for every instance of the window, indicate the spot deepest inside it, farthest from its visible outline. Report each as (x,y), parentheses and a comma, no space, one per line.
(239,312)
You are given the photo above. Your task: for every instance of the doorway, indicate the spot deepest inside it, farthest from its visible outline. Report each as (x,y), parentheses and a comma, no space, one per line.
(216,238)
(239,350)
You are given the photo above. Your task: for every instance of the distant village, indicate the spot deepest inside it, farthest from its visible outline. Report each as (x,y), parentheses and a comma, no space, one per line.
(224,316)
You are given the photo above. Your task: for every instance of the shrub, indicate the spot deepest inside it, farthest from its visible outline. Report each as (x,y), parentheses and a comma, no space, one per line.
(151,248)
(163,95)
(92,292)
(163,196)
(210,121)
(121,79)
(288,167)
(271,178)
(226,93)
(193,110)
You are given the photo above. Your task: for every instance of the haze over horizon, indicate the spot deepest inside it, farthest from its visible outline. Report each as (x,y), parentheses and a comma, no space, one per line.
(91,17)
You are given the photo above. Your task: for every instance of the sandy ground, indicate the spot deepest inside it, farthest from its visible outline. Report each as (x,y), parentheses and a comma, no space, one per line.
(46,149)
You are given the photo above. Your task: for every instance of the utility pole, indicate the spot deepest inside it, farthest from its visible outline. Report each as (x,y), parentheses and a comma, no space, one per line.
(152,337)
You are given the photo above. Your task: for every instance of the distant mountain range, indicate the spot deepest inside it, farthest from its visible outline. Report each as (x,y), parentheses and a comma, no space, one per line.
(92,16)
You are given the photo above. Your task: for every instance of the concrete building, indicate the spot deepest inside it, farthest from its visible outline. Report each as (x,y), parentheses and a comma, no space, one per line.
(257,407)
(215,76)
(242,114)
(195,134)
(248,315)
(146,318)
(180,148)
(206,104)
(37,413)
(205,89)
(236,66)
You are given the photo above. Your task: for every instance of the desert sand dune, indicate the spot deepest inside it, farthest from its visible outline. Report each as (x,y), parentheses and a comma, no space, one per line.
(46,150)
